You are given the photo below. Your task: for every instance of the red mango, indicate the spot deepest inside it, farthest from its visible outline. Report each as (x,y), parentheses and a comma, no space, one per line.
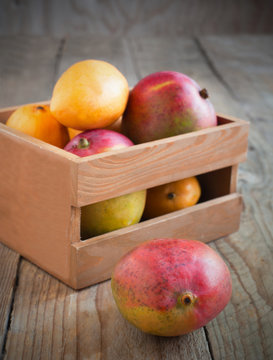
(96,141)
(170,287)
(166,103)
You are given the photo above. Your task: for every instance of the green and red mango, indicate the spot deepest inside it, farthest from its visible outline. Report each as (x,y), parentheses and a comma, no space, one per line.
(165,104)
(170,287)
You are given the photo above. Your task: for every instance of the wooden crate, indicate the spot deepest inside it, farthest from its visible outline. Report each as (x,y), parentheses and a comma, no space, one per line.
(42,189)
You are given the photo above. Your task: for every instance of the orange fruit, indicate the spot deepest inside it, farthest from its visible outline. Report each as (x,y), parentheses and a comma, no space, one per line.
(37,121)
(73,132)
(171,197)
(90,94)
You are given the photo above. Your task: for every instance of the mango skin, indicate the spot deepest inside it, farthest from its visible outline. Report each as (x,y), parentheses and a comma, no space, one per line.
(165,104)
(100,140)
(112,214)
(151,282)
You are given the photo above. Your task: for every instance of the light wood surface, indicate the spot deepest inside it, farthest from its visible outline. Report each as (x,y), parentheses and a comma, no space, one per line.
(43,318)
(36,191)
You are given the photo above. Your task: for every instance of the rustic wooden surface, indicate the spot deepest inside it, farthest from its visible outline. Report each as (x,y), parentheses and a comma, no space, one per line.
(138,17)
(41,318)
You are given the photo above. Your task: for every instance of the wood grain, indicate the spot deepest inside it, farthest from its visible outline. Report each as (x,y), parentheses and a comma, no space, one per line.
(250,85)
(137,18)
(197,153)
(161,161)
(51,321)
(113,49)
(249,317)
(36,222)
(9,261)
(30,62)
(95,258)
(22,60)
(214,64)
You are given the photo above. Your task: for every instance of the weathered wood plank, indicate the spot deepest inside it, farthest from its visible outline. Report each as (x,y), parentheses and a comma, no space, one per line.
(247,72)
(138,18)
(161,161)
(9,261)
(36,191)
(96,257)
(27,69)
(113,49)
(56,322)
(212,63)
(185,55)
(130,343)
(51,321)
(244,330)
(245,64)
(246,324)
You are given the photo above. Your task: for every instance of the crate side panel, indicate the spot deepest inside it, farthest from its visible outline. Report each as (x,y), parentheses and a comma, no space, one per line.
(35,197)
(95,258)
(162,161)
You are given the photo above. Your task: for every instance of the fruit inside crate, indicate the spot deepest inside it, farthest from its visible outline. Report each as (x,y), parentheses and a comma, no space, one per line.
(43,188)
(213,185)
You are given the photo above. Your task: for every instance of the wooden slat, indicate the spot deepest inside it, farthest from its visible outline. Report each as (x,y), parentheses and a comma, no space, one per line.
(96,257)
(160,161)
(51,321)
(35,195)
(9,261)
(245,328)
(231,142)
(17,136)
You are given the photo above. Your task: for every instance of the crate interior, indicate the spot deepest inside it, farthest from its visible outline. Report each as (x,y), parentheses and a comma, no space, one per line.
(213,184)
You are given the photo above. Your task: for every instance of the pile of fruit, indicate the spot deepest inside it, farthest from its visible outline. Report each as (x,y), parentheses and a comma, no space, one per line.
(165,287)
(92,111)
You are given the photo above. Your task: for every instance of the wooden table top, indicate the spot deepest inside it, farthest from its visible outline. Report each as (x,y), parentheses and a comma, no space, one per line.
(40,317)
